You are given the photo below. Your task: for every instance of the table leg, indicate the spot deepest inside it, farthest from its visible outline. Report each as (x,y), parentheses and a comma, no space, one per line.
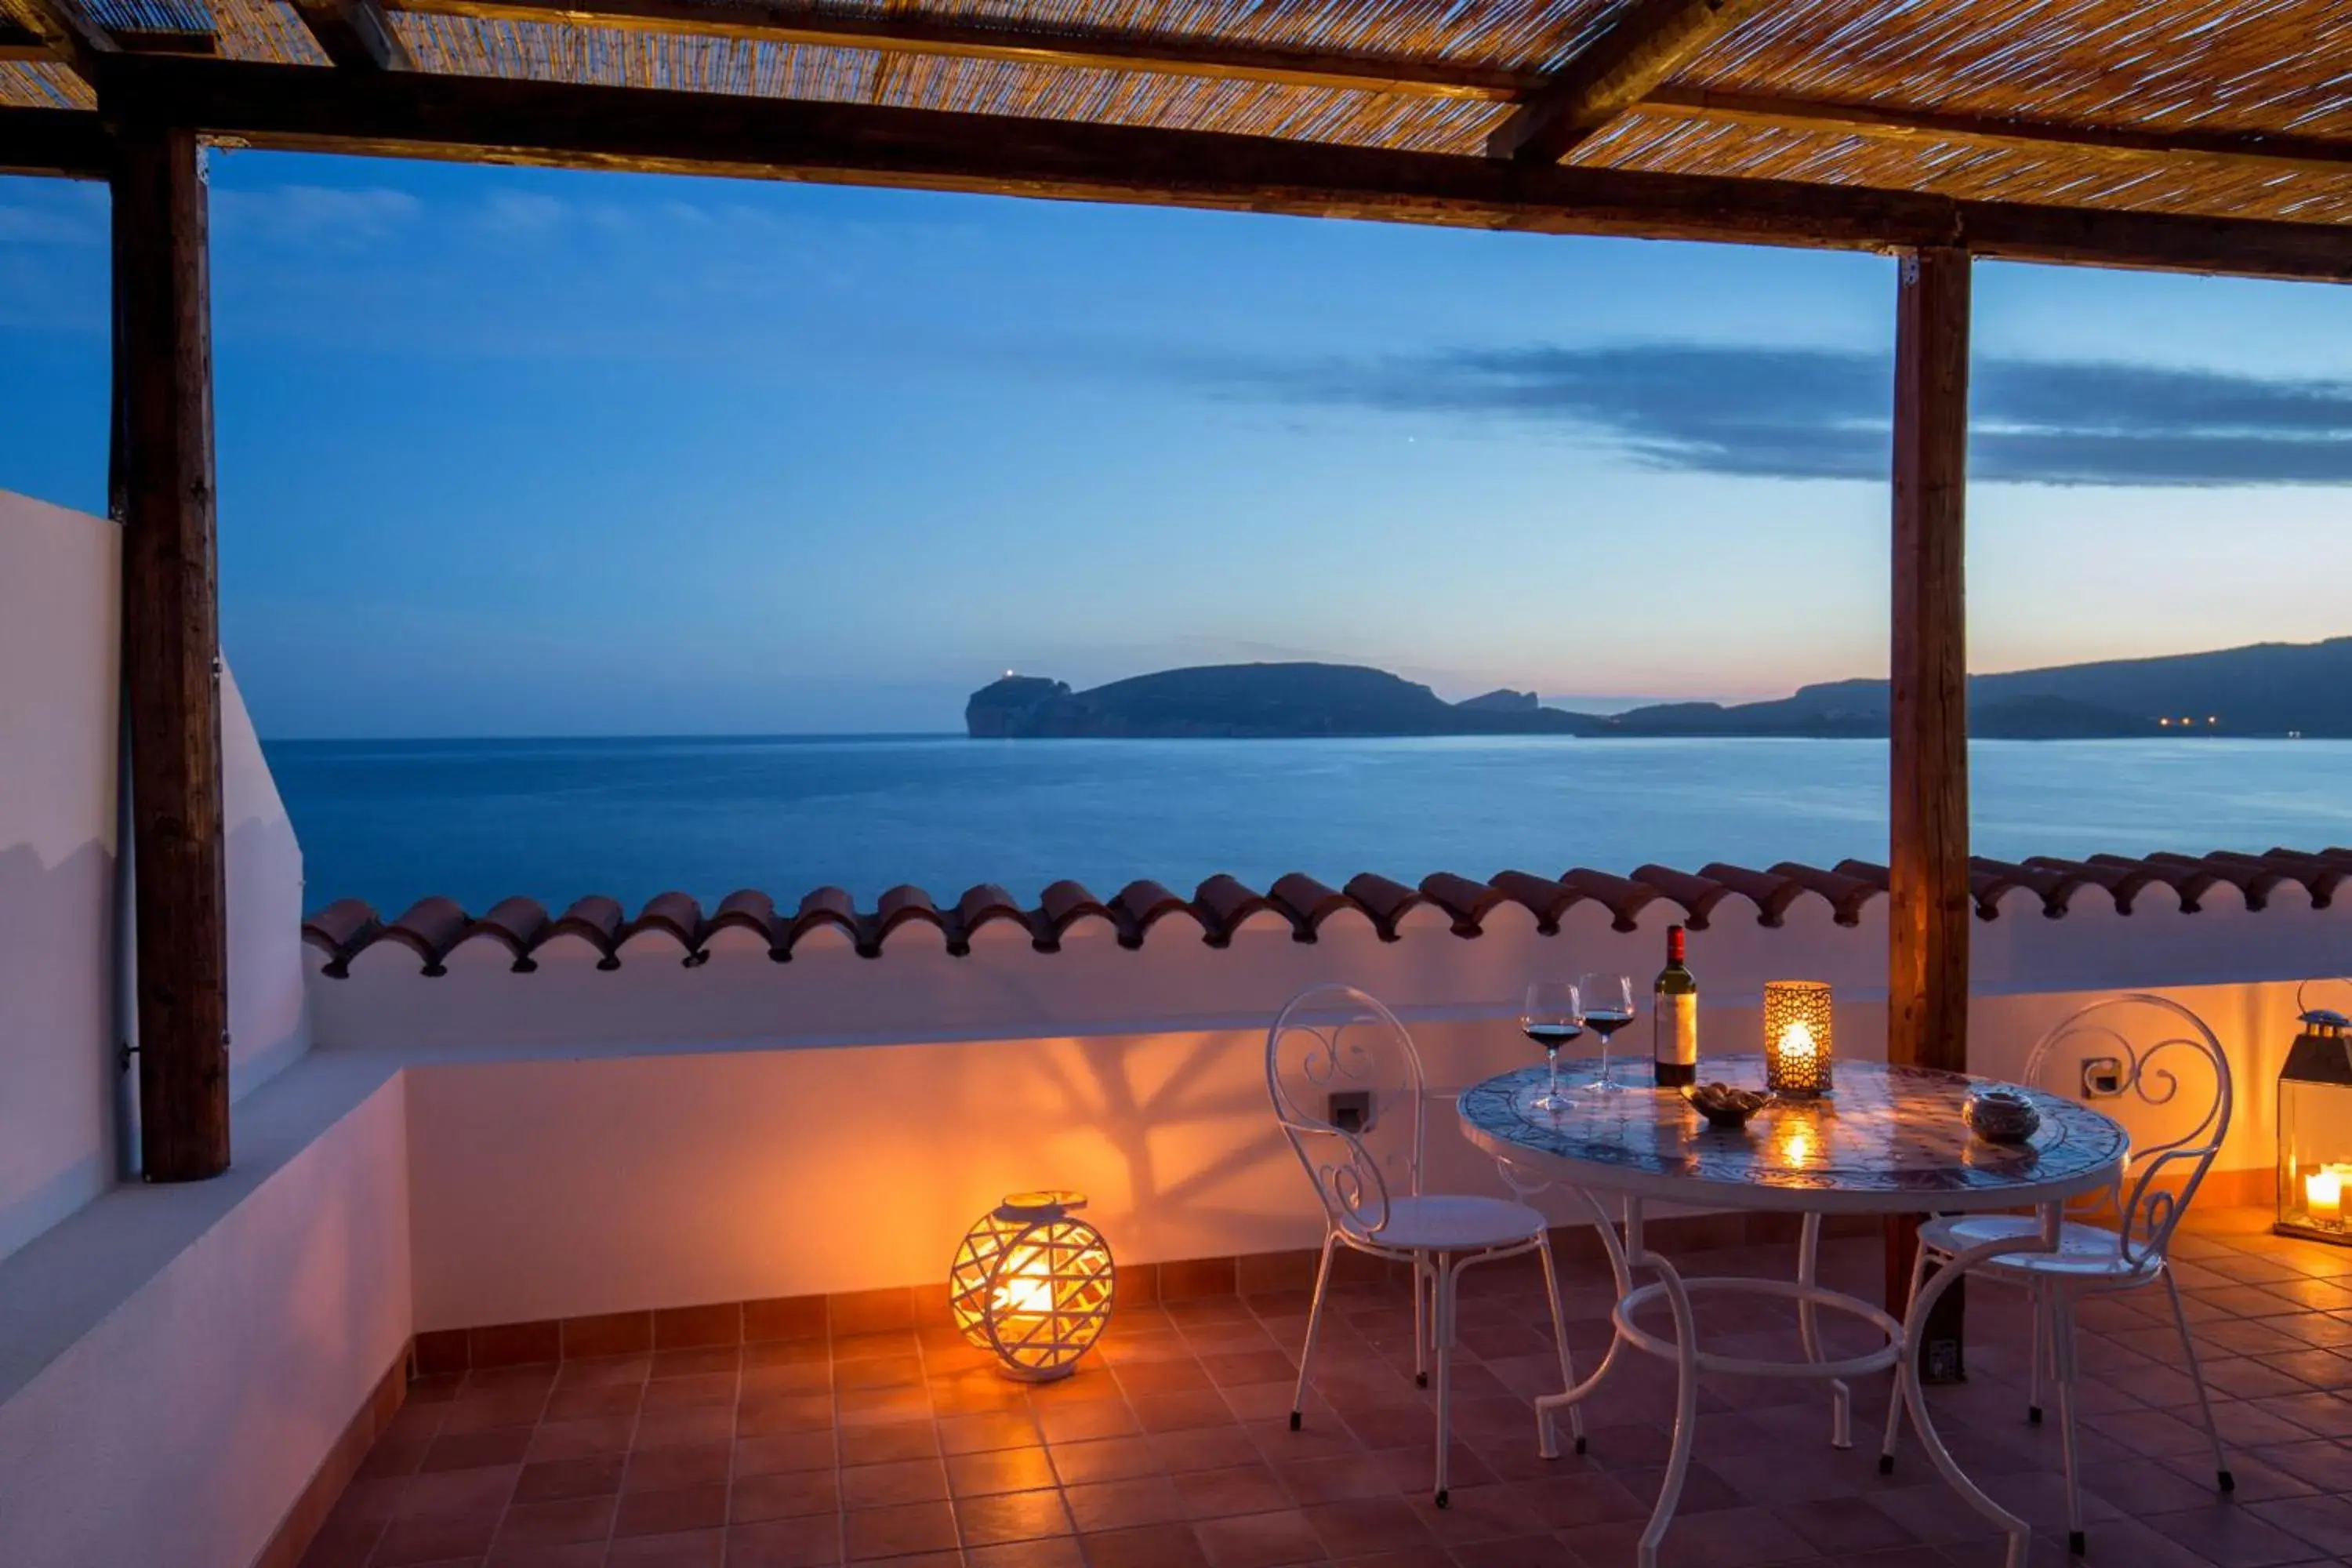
(1809,1245)
(1670,1490)
(1915,1397)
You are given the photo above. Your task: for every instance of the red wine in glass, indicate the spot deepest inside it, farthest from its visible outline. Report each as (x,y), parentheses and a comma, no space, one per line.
(1608,1008)
(1551,1018)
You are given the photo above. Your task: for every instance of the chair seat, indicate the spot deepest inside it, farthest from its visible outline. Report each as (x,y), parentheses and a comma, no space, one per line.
(1446,1222)
(2085,1251)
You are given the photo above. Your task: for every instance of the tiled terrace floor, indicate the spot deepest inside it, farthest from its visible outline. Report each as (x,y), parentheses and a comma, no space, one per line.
(1171,1449)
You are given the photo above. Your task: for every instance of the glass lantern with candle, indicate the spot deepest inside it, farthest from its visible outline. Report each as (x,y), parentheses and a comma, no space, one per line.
(1797,1036)
(2314,1131)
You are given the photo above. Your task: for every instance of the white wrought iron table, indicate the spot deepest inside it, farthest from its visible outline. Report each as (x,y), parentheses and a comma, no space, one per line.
(1890,1140)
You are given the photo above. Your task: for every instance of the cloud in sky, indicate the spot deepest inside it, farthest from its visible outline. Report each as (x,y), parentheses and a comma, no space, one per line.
(1795,413)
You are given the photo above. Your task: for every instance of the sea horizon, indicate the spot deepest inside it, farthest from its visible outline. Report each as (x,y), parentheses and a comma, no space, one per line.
(556,818)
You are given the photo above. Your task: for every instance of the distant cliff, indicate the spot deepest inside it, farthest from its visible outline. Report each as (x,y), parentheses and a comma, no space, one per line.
(2268,688)
(1250,702)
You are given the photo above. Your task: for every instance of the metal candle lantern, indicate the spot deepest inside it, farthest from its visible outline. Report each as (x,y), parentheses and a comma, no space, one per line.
(2314,1131)
(1032,1285)
(1797,1036)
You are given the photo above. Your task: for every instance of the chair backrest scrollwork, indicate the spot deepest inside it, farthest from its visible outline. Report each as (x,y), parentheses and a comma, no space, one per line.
(2171,1065)
(1335,1040)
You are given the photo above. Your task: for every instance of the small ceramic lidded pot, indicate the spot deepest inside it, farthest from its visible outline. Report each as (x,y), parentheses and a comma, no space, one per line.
(2001,1116)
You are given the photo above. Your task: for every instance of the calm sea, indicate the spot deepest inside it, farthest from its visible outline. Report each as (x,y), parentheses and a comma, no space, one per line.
(478,820)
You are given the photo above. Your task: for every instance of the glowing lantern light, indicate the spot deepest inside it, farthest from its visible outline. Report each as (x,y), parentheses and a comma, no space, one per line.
(1032,1285)
(2314,1130)
(1797,1036)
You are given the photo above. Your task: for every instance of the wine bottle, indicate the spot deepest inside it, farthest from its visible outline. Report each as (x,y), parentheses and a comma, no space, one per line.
(1675,1018)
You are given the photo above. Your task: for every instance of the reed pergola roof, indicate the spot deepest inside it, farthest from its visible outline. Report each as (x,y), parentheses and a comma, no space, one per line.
(2197,134)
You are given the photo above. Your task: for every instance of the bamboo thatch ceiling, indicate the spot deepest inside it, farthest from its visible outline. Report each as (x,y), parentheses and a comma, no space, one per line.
(2238,109)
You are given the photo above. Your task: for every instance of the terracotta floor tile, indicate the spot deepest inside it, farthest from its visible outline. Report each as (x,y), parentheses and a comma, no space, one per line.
(1011,1516)
(596,1402)
(870,1533)
(685,1465)
(2229,1535)
(1251,1488)
(875,1407)
(1052,1551)
(1203,1449)
(2325,1521)
(878,1372)
(681,1393)
(1177,1412)
(1121,1505)
(760,1415)
(687,1548)
(1000,1471)
(1105,1459)
(1258,1540)
(581,1439)
(784,1451)
(434,1537)
(785,1543)
(598,1475)
(504,1407)
(578,1555)
(1341,1477)
(1068,1422)
(887,1486)
(471,1450)
(889,1443)
(603,1371)
(557,1524)
(790,1494)
(692,1427)
(484,1489)
(982,1430)
(1147,1546)
(667,1512)
(697,1361)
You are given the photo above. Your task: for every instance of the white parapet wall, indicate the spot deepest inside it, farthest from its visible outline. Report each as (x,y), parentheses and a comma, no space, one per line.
(60,1074)
(587,1140)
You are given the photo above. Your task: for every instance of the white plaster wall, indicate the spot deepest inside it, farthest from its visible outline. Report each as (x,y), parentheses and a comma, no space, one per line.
(176,1362)
(570,1157)
(268,1014)
(58,684)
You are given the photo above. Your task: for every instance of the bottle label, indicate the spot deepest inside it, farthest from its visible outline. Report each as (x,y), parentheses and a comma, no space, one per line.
(1677,1030)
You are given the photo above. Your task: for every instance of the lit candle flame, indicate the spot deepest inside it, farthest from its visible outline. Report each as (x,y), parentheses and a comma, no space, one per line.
(1798,1045)
(2323,1193)
(1027,1285)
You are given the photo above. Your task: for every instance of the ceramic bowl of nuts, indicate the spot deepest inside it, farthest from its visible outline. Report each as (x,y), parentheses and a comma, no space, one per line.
(1725,1107)
(2001,1116)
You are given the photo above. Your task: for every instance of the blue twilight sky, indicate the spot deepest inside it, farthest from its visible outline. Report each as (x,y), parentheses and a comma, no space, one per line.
(511,452)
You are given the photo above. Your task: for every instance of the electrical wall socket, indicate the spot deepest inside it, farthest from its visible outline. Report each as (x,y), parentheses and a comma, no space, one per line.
(1351,1111)
(2103,1078)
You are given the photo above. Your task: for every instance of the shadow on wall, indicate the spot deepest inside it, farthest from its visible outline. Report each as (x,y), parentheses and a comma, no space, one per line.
(57,1010)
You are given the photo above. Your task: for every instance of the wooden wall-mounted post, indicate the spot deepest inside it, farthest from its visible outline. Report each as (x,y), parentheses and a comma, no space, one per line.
(1927,914)
(162,483)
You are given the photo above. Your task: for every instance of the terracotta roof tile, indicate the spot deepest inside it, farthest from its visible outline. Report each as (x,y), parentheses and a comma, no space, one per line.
(432,927)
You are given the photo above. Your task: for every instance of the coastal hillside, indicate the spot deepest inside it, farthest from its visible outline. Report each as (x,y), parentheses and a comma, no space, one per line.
(2265,690)
(1247,701)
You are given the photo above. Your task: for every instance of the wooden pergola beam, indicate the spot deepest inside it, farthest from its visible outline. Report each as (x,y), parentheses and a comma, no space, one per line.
(354,34)
(1099,48)
(162,467)
(509,120)
(73,146)
(2035,137)
(1929,910)
(1648,42)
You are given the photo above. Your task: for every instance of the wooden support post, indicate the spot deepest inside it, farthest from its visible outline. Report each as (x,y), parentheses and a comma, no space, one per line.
(162,470)
(1927,914)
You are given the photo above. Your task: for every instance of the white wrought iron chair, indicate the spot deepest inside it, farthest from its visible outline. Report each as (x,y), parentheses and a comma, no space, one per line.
(1336,1054)
(2147,1202)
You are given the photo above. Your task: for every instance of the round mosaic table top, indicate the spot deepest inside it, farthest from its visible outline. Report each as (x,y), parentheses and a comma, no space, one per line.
(1890,1140)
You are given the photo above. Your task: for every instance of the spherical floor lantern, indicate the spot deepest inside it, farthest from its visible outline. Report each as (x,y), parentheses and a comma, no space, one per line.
(1032,1285)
